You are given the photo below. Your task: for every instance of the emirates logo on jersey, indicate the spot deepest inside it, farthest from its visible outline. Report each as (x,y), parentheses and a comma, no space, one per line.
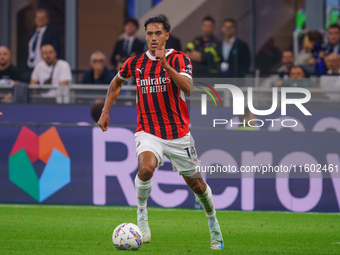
(153,85)
(153,81)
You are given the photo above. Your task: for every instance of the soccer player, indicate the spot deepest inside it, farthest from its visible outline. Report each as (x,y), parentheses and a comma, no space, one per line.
(162,77)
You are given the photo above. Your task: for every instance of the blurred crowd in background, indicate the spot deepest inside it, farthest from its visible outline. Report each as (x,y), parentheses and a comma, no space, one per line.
(225,57)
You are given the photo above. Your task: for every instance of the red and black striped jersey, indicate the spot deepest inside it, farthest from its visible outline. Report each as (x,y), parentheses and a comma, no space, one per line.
(161,106)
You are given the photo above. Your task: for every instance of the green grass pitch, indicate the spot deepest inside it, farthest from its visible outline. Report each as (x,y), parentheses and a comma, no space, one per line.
(49,229)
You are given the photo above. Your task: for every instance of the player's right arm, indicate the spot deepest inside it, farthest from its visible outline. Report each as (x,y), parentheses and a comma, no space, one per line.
(111,95)
(113,91)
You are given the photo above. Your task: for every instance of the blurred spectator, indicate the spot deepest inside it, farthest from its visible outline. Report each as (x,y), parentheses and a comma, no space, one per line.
(203,50)
(331,81)
(315,64)
(7,70)
(268,57)
(99,74)
(333,64)
(333,44)
(129,45)
(41,36)
(55,72)
(297,78)
(234,52)
(173,42)
(297,72)
(120,64)
(287,61)
(312,41)
(96,110)
(9,74)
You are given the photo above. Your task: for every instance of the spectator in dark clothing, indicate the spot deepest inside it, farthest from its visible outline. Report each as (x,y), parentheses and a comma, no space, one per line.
(129,45)
(311,41)
(330,81)
(268,57)
(333,64)
(41,36)
(7,70)
(173,42)
(9,74)
(297,78)
(333,44)
(99,74)
(203,51)
(287,61)
(320,52)
(234,52)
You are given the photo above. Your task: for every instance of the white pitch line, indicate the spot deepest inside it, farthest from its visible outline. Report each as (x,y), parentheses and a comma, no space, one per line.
(84,207)
(113,207)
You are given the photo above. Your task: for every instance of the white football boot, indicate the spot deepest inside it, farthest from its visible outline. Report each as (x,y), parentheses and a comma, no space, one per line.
(142,219)
(216,239)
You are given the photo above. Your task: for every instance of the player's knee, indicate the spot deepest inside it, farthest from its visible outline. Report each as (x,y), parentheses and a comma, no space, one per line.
(145,172)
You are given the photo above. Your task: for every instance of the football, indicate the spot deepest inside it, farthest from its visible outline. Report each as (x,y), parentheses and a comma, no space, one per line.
(127,236)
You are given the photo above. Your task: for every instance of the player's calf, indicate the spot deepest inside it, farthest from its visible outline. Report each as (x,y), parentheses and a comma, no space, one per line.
(204,196)
(143,190)
(143,184)
(198,186)
(205,199)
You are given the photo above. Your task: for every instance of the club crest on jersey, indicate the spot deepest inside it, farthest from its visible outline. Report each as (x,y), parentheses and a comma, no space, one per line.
(188,69)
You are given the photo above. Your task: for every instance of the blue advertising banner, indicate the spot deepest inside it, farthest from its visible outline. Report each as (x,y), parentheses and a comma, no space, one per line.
(79,164)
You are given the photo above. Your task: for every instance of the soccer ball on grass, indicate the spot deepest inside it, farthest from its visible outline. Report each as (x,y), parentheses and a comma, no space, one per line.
(127,236)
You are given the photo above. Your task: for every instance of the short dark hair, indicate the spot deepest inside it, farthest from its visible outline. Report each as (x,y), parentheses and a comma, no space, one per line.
(285,50)
(315,36)
(165,17)
(208,18)
(302,68)
(133,21)
(334,26)
(231,20)
(158,19)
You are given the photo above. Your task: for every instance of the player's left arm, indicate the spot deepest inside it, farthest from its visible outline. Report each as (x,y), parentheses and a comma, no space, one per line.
(182,82)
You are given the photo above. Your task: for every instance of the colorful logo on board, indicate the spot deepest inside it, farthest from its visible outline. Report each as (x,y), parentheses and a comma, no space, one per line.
(49,149)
